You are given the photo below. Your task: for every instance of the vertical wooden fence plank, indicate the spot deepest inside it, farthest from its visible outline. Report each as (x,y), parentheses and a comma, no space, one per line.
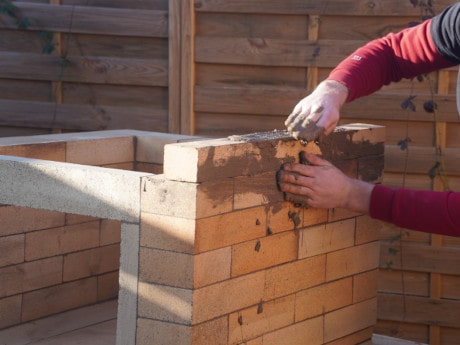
(313,32)
(438,185)
(188,71)
(174,69)
(56,86)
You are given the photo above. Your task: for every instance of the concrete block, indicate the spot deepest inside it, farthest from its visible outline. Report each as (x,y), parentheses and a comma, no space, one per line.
(264,252)
(229,229)
(166,268)
(295,276)
(57,241)
(165,333)
(30,276)
(324,298)
(263,318)
(165,303)
(350,319)
(150,145)
(70,188)
(326,238)
(12,249)
(168,233)
(223,298)
(349,261)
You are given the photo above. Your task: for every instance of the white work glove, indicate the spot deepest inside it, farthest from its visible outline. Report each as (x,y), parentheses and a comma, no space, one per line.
(317,113)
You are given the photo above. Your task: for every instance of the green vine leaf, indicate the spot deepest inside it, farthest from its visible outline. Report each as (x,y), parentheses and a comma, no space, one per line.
(407,104)
(434,170)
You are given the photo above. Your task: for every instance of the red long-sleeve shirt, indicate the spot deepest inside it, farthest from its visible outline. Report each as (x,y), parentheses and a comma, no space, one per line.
(429,46)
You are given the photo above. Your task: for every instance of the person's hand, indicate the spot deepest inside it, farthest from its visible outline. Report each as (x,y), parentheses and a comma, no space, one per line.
(319,112)
(321,185)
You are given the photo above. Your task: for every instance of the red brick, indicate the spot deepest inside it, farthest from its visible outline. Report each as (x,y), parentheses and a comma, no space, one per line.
(211,267)
(230,228)
(91,262)
(295,276)
(309,330)
(283,216)
(261,319)
(327,238)
(323,298)
(352,261)
(365,286)
(110,232)
(255,190)
(51,242)
(351,319)
(367,229)
(10,311)
(265,252)
(214,332)
(17,220)
(107,286)
(228,296)
(48,151)
(100,151)
(12,249)
(59,298)
(30,276)
(355,338)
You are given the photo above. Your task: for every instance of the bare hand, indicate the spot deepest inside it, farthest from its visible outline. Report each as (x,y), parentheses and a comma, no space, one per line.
(319,112)
(323,185)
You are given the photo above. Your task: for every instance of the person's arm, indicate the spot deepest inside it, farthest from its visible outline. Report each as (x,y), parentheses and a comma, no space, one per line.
(429,46)
(321,185)
(427,211)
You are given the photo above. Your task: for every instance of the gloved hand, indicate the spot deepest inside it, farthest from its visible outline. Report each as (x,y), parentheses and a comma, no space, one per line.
(319,112)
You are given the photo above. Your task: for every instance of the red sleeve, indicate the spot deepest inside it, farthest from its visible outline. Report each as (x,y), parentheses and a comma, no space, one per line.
(427,211)
(405,54)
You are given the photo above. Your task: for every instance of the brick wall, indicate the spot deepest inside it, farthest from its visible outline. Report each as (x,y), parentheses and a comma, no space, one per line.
(53,261)
(210,251)
(225,260)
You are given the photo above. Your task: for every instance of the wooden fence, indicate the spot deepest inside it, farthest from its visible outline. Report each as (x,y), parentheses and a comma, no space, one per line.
(222,67)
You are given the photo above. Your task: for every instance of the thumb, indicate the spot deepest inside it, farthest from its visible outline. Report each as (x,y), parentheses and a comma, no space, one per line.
(312,159)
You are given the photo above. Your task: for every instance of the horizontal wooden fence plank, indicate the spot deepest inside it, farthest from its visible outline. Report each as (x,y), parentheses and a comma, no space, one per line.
(88,69)
(273,52)
(420,258)
(281,100)
(420,160)
(419,310)
(81,117)
(91,20)
(138,4)
(333,7)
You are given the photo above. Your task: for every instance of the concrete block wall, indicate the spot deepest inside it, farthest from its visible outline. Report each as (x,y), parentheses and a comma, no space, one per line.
(224,260)
(54,261)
